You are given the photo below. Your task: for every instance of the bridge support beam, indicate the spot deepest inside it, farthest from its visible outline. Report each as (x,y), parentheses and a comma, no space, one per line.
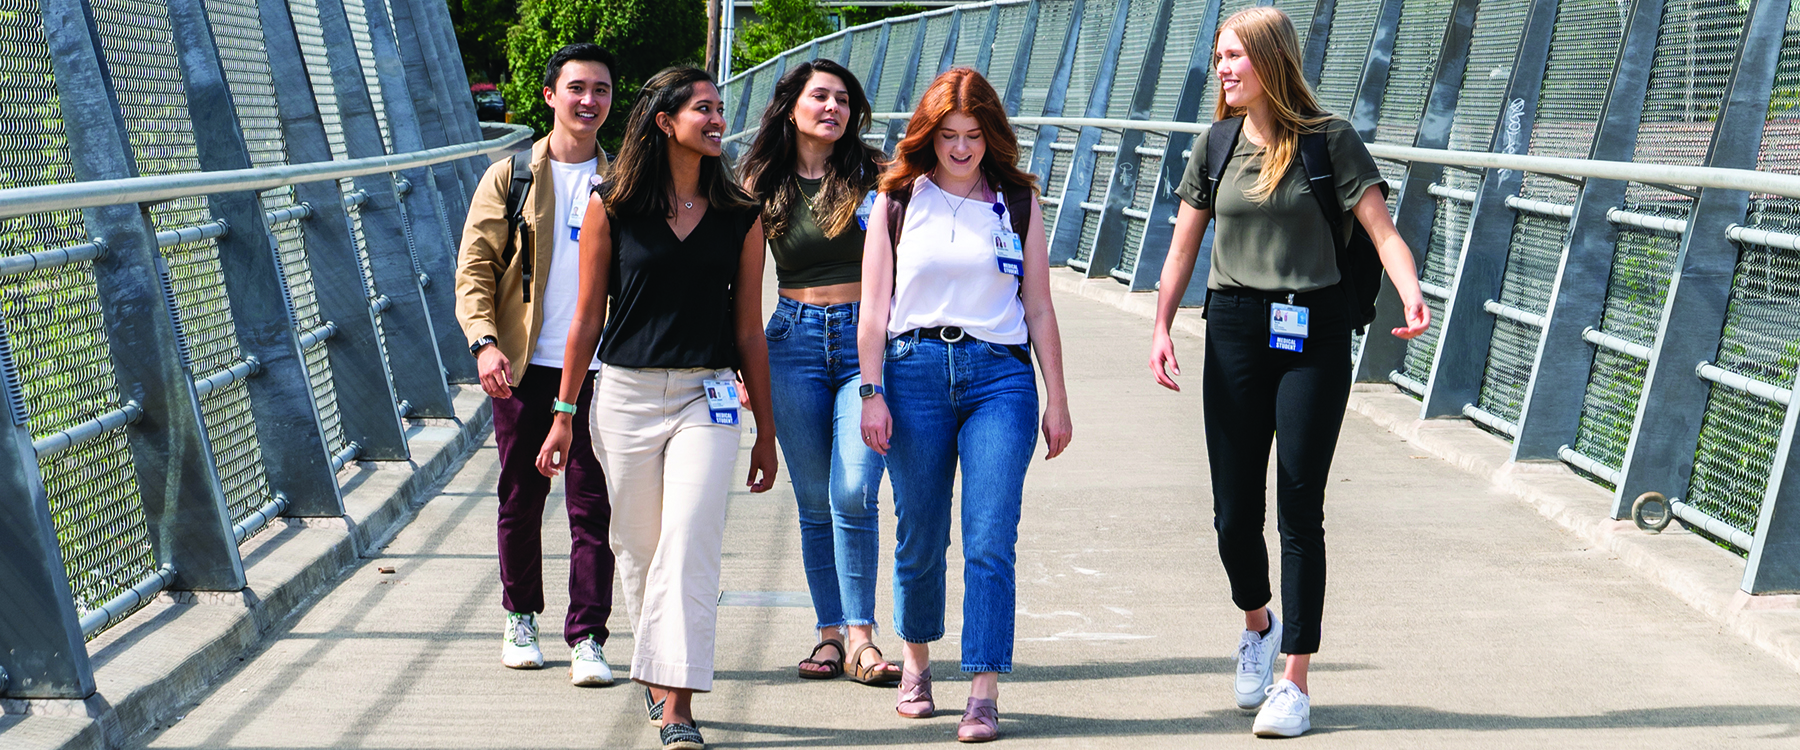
(1078,180)
(295,458)
(45,655)
(184,505)
(1551,412)
(902,96)
(359,362)
(1109,238)
(1461,357)
(1042,156)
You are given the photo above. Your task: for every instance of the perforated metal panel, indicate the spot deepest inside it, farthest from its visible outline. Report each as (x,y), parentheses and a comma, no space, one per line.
(1140,17)
(1301,11)
(1007,36)
(862,60)
(1346,51)
(1582,48)
(58,335)
(140,53)
(1695,51)
(1090,47)
(937,32)
(969,36)
(1416,49)
(1184,26)
(1492,46)
(1761,338)
(357,13)
(898,61)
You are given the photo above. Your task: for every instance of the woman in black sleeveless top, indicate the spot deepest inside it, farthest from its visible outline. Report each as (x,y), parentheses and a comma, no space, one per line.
(676,247)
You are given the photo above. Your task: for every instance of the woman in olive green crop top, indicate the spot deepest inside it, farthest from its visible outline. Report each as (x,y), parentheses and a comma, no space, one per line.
(815,178)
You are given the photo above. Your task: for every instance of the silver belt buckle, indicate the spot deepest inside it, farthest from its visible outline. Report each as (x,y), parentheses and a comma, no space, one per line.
(944,334)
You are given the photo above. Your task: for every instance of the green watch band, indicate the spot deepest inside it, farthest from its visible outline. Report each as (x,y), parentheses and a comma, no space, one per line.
(562,406)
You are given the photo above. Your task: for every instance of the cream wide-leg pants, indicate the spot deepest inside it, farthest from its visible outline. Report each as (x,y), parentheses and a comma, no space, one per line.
(668,470)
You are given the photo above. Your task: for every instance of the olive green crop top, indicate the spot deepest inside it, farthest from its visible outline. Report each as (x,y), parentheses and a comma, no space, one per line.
(805,258)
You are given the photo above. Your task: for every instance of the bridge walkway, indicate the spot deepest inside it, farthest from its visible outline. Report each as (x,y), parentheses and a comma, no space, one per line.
(1457,616)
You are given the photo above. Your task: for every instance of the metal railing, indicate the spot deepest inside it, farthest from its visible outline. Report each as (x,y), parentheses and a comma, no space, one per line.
(212,300)
(1613,286)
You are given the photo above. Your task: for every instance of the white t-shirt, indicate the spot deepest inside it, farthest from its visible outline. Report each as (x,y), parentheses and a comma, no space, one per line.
(563,283)
(940,282)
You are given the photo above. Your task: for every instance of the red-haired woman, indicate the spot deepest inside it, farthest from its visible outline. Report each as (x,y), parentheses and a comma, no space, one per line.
(950,314)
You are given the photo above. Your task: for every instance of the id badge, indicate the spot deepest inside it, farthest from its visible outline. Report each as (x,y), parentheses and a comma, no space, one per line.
(1287,327)
(862,211)
(577,213)
(722,401)
(1009,253)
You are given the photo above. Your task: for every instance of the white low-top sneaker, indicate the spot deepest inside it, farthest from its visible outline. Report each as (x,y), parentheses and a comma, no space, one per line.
(519,644)
(587,665)
(1256,664)
(1287,712)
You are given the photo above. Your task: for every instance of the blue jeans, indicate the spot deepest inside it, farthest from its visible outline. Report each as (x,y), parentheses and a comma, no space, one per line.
(813,369)
(974,401)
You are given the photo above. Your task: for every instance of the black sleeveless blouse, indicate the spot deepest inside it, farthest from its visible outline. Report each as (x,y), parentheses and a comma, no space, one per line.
(672,300)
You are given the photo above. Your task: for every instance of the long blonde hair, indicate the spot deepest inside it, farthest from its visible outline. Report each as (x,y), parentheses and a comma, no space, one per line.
(1269,39)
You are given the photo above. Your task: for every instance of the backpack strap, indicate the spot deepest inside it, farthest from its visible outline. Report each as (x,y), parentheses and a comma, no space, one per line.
(896,215)
(515,214)
(1221,140)
(1315,156)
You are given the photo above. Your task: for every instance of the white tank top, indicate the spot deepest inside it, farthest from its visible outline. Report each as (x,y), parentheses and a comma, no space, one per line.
(940,282)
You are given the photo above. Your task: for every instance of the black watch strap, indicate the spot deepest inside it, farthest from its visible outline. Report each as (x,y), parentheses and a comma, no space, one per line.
(475,348)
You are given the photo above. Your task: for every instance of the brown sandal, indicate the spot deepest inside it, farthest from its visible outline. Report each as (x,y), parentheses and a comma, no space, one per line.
(881,673)
(832,667)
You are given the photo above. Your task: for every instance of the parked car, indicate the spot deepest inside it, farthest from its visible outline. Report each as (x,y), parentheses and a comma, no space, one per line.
(490,105)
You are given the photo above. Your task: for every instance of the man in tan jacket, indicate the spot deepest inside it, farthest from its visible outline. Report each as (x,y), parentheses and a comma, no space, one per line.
(516,281)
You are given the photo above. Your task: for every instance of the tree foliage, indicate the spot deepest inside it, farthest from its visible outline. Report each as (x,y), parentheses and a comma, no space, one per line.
(643,35)
(481,34)
(781,24)
(850,15)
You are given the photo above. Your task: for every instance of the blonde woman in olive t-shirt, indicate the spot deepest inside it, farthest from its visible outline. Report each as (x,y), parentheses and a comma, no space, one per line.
(1273,252)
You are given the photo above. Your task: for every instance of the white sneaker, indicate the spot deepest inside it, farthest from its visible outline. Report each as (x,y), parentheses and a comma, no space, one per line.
(587,665)
(519,644)
(1256,664)
(1287,712)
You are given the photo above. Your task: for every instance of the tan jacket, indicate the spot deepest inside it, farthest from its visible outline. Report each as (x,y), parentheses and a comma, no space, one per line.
(490,299)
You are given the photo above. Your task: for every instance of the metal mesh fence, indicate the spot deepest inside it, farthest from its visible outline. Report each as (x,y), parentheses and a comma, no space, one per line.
(1761,338)
(1184,30)
(1582,49)
(1009,28)
(1410,73)
(1352,25)
(971,31)
(862,62)
(1492,47)
(139,49)
(897,62)
(365,52)
(1301,11)
(58,336)
(237,28)
(1695,50)
(1140,17)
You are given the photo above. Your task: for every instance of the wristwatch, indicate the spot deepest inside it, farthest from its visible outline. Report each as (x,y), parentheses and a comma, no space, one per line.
(559,405)
(475,348)
(869,391)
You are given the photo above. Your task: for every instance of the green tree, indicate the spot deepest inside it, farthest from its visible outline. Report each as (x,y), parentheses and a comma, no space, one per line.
(850,15)
(781,25)
(481,34)
(643,35)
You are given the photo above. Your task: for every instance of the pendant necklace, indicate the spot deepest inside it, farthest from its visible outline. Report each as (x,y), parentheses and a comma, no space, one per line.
(958,207)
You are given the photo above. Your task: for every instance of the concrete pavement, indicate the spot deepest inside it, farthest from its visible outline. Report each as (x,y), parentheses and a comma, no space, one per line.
(1457,616)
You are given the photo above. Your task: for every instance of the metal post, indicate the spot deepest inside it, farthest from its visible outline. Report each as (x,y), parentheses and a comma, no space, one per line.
(896,129)
(1312,59)
(1065,234)
(948,58)
(1365,110)
(1551,411)
(1664,439)
(422,332)
(1021,62)
(1153,249)
(359,363)
(872,83)
(1461,357)
(295,457)
(45,654)
(985,53)
(1416,210)
(431,104)
(184,506)
(1042,158)
(1109,236)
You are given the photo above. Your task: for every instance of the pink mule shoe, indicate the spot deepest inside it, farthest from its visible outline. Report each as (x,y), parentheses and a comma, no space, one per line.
(980,722)
(915,695)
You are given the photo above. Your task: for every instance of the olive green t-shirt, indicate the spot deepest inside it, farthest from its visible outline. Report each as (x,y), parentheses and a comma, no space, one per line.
(806,258)
(1283,244)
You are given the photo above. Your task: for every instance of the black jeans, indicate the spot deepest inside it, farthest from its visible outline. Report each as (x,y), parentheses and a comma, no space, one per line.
(1253,393)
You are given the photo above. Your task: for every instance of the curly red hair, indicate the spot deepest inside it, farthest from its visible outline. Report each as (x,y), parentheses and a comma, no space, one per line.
(966,91)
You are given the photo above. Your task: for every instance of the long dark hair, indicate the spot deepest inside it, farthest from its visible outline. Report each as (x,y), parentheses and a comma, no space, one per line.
(958,90)
(850,171)
(641,183)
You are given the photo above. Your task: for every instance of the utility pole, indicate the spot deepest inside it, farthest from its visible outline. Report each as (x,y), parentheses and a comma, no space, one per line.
(712,36)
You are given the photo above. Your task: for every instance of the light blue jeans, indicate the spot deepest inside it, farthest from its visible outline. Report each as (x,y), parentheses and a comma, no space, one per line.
(975,402)
(813,368)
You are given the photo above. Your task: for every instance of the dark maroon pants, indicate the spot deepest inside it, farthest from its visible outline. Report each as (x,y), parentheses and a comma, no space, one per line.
(520,425)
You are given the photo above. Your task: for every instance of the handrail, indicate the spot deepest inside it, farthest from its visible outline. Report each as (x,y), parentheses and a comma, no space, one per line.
(1784,185)
(21,201)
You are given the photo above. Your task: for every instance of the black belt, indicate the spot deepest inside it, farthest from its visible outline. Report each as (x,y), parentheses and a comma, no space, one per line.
(947,334)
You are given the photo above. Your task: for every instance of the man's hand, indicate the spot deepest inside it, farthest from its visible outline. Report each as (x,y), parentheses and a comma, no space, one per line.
(496,371)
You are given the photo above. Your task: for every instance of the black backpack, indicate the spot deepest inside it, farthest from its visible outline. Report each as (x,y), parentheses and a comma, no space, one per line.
(1018,206)
(515,213)
(1358,263)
